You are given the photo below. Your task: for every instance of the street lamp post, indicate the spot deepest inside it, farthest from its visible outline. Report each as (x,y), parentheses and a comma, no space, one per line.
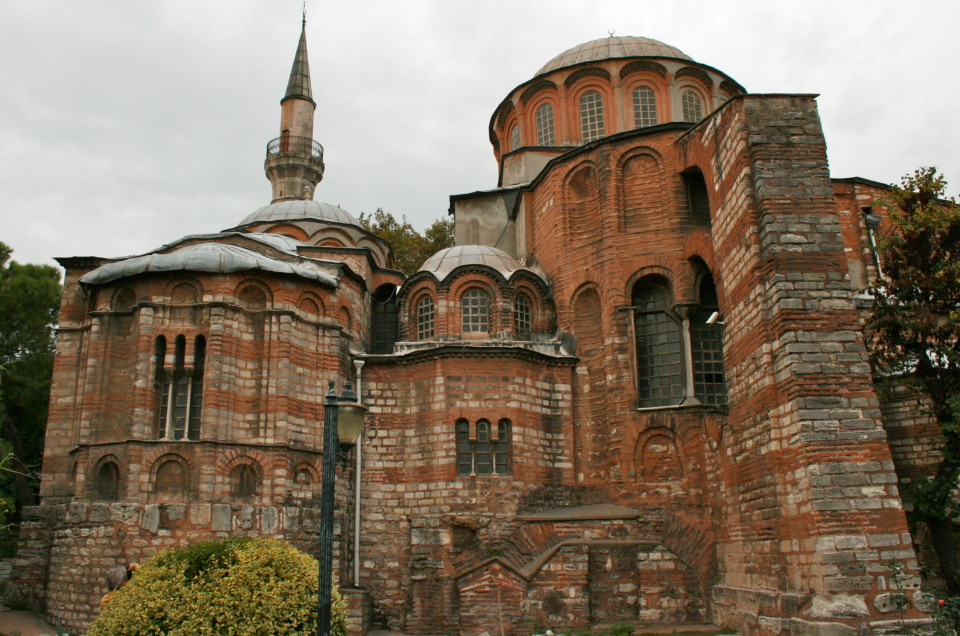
(342,422)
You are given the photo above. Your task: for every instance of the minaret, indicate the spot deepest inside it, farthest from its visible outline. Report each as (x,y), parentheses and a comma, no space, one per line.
(294,161)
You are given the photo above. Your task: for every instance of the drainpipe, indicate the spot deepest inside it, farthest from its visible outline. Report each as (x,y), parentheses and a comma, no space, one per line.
(358,365)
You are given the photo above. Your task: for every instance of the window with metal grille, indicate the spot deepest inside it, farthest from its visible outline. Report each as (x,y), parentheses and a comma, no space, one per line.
(426,314)
(591,116)
(179,389)
(384,318)
(644,107)
(545,129)
(514,137)
(482,453)
(501,448)
(706,342)
(522,317)
(464,448)
(475,310)
(660,379)
(691,105)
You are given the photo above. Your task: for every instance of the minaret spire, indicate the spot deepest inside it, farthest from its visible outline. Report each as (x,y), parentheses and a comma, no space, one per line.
(294,162)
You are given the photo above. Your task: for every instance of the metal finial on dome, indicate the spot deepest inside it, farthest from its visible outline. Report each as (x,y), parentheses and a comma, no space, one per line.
(611,32)
(304,14)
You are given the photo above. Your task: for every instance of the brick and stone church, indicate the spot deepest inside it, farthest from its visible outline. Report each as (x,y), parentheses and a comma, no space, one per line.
(636,389)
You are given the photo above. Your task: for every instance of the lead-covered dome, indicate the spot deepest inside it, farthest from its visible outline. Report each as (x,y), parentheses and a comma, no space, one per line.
(447,260)
(612,48)
(299,210)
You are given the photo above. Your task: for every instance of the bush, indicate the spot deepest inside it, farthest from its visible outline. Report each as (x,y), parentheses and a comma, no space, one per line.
(232,586)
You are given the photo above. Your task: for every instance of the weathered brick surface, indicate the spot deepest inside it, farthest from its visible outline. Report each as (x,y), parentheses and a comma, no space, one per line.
(757,515)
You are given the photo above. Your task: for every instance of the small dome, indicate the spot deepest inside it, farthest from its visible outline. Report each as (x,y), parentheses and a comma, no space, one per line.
(611,48)
(449,259)
(299,210)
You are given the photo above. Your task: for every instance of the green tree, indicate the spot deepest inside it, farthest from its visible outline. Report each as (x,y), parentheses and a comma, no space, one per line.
(915,335)
(236,586)
(410,247)
(30,298)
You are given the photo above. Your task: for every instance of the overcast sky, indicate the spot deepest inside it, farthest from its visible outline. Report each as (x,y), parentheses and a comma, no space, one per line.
(125,125)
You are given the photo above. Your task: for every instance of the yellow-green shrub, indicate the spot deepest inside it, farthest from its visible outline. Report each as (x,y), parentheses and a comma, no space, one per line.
(235,586)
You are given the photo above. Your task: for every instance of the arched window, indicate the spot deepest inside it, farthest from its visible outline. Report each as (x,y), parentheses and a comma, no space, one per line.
(546,135)
(522,317)
(464,448)
(514,137)
(244,482)
(660,378)
(706,343)
(691,105)
(106,482)
(179,389)
(698,198)
(475,310)
(384,318)
(644,107)
(426,318)
(591,116)
(501,449)
(482,450)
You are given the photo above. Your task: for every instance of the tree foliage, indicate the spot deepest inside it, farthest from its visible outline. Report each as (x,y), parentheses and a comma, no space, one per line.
(410,247)
(236,586)
(30,300)
(915,332)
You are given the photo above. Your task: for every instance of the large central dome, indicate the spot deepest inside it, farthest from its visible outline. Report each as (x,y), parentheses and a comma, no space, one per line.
(613,47)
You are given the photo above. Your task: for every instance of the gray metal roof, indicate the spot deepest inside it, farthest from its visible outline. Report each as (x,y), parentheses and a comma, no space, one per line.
(221,258)
(299,83)
(613,47)
(445,261)
(300,210)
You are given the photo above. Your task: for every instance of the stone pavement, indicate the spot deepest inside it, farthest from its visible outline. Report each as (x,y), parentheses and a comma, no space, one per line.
(26,623)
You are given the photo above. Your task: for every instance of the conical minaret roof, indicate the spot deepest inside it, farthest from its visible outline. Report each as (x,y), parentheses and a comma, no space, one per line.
(299,83)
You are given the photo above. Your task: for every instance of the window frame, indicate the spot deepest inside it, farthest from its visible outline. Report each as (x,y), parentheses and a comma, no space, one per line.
(701,353)
(482,450)
(592,126)
(475,319)
(656,104)
(683,91)
(542,126)
(421,318)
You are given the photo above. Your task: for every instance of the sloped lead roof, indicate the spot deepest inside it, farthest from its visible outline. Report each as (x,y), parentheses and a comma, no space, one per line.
(299,83)
(221,258)
(611,48)
(445,261)
(299,209)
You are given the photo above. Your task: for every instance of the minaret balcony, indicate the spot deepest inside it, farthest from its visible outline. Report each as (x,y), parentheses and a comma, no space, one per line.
(303,148)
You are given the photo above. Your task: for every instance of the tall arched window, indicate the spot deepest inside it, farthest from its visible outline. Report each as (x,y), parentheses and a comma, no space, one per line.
(475,310)
(706,343)
(691,105)
(660,378)
(514,137)
(522,317)
(179,389)
(591,116)
(384,318)
(644,107)
(546,135)
(483,450)
(464,448)
(426,318)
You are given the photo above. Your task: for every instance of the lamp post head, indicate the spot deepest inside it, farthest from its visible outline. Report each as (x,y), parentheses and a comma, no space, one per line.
(350,418)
